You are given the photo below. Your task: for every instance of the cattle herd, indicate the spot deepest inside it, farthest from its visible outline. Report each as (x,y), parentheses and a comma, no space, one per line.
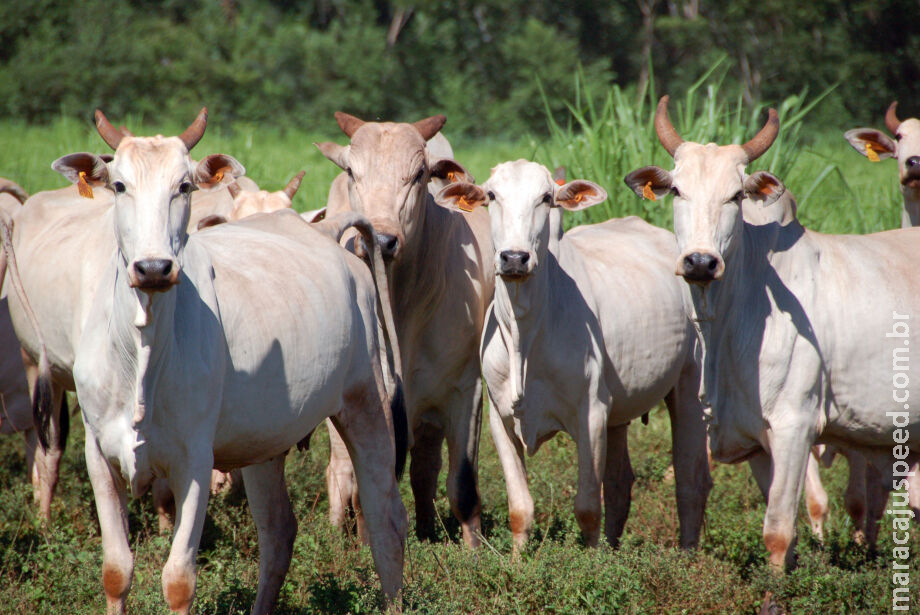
(205,327)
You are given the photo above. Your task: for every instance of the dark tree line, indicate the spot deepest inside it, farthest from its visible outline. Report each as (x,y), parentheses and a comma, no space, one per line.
(485,63)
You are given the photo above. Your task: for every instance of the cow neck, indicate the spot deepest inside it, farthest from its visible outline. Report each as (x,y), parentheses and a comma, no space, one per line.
(520,308)
(143,324)
(910,215)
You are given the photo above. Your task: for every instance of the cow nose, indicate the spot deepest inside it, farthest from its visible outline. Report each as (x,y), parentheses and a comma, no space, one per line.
(154,273)
(699,267)
(389,244)
(513,262)
(912,162)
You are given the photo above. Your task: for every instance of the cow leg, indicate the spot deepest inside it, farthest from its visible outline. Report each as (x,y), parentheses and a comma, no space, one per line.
(690,455)
(854,499)
(876,500)
(511,455)
(340,478)
(189,481)
(465,424)
(111,507)
(30,436)
(423,476)
(815,498)
(592,451)
(618,481)
(164,503)
(271,510)
(790,446)
(47,462)
(369,439)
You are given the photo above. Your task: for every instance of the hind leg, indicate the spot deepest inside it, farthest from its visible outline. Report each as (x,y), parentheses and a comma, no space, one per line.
(164,503)
(465,420)
(618,481)
(340,478)
(815,498)
(271,510)
(47,462)
(423,476)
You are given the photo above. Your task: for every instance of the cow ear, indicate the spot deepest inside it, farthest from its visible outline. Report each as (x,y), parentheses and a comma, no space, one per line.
(212,169)
(651,183)
(447,171)
(335,152)
(212,220)
(83,167)
(764,188)
(462,196)
(873,144)
(579,194)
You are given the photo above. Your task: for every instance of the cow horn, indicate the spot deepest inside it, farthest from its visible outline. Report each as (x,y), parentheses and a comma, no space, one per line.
(891,118)
(111,135)
(430,126)
(234,189)
(291,189)
(664,128)
(14,189)
(348,123)
(195,131)
(123,130)
(763,139)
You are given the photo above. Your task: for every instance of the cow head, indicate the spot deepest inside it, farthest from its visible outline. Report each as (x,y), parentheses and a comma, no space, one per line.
(152,179)
(876,145)
(708,183)
(520,195)
(389,167)
(247,203)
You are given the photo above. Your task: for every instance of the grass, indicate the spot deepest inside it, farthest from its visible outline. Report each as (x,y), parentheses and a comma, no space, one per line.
(56,569)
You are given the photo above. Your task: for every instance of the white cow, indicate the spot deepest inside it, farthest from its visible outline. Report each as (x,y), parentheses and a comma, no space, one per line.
(796,326)
(437,268)
(584,339)
(272,329)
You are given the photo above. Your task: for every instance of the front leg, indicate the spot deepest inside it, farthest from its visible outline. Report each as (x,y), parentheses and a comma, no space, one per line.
(618,481)
(511,454)
(111,506)
(277,527)
(790,446)
(464,417)
(189,481)
(591,441)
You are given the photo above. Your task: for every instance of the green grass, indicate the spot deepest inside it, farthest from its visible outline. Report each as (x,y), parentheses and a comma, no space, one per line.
(56,569)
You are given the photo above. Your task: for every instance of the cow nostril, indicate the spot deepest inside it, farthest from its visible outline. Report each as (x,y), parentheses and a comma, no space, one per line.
(154,267)
(713,263)
(388,243)
(525,257)
(913,161)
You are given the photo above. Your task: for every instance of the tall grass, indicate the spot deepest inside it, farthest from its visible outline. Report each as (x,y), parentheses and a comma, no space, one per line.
(603,142)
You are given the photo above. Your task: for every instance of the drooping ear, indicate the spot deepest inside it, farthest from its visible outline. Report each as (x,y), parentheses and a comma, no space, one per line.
(579,194)
(335,152)
(215,167)
(462,196)
(449,171)
(873,144)
(651,183)
(763,187)
(94,170)
(212,220)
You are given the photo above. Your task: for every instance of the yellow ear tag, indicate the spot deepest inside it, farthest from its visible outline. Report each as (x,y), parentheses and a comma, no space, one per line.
(647,192)
(218,176)
(83,187)
(579,197)
(870,153)
(450,176)
(560,182)
(464,205)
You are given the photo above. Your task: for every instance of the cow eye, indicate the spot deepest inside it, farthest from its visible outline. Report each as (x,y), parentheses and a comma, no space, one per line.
(897,137)
(350,174)
(419,176)
(675,191)
(547,198)
(118,187)
(185,187)
(739,196)
(491,195)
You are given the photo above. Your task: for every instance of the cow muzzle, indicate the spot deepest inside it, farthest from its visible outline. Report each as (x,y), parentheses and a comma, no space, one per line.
(911,176)
(700,267)
(515,264)
(389,245)
(154,274)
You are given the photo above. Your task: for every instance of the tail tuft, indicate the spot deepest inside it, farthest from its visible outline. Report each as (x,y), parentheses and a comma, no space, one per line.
(400,428)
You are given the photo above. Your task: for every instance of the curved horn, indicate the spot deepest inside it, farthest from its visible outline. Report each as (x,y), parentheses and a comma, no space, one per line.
(291,189)
(430,126)
(763,139)
(195,131)
(891,118)
(111,135)
(664,128)
(234,189)
(125,131)
(348,123)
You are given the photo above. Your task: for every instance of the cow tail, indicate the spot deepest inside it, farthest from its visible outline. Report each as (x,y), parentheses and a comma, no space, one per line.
(41,394)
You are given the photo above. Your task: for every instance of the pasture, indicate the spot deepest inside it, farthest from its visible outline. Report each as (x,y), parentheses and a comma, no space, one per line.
(56,569)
